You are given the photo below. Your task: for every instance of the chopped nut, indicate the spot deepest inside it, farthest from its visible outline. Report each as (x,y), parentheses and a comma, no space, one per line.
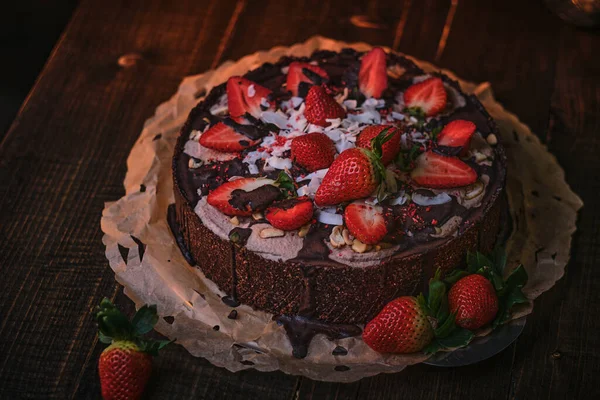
(360,247)
(304,230)
(479,156)
(257,216)
(194,164)
(271,233)
(348,238)
(473,190)
(492,139)
(234,221)
(336,238)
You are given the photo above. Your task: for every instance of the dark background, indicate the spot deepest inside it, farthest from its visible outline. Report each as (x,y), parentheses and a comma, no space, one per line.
(63,148)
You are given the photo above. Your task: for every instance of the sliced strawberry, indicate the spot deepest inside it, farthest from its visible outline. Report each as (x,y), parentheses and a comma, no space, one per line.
(320,107)
(296,75)
(221,196)
(457,133)
(290,214)
(245,96)
(428,95)
(389,149)
(372,78)
(365,222)
(224,138)
(313,151)
(436,171)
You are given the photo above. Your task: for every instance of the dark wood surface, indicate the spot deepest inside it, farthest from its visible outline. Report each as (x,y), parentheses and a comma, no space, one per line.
(64,156)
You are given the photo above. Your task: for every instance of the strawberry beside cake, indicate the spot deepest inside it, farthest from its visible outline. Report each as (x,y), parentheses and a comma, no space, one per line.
(320,188)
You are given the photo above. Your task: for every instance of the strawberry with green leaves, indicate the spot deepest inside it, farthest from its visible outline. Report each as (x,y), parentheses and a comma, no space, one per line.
(125,366)
(389,149)
(354,174)
(479,296)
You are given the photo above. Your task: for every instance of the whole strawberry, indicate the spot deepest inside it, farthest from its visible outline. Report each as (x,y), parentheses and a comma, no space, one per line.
(355,173)
(320,107)
(352,175)
(401,327)
(125,366)
(313,151)
(474,301)
(390,149)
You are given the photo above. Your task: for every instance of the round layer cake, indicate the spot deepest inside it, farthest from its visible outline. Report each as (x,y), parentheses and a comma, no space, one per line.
(327,186)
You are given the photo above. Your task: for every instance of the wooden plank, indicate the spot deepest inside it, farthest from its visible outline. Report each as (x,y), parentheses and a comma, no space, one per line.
(63,157)
(556,356)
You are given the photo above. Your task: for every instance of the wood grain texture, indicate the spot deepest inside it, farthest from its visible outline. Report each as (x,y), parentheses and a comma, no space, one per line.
(64,156)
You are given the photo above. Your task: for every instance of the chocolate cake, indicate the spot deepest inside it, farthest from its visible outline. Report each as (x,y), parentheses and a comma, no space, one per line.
(401,175)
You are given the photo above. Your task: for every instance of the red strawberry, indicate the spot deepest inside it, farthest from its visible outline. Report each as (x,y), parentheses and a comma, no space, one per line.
(296,75)
(245,96)
(224,138)
(124,371)
(221,196)
(390,148)
(125,366)
(457,133)
(428,95)
(474,301)
(372,77)
(365,222)
(352,175)
(401,327)
(313,151)
(290,214)
(320,106)
(436,171)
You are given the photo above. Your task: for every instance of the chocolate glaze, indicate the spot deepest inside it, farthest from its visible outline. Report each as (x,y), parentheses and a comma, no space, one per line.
(174,226)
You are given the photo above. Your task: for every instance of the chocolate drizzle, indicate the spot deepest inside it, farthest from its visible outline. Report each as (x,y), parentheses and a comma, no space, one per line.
(257,199)
(314,247)
(176,231)
(301,330)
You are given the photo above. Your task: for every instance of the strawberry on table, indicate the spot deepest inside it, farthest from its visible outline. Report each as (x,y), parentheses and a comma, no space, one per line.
(365,222)
(389,149)
(320,107)
(313,151)
(224,138)
(372,77)
(429,96)
(457,133)
(221,197)
(125,366)
(437,171)
(401,327)
(296,75)
(474,300)
(245,96)
(290,214)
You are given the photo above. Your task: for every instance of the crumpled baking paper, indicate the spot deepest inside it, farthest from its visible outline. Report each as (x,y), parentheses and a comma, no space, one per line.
(147,262)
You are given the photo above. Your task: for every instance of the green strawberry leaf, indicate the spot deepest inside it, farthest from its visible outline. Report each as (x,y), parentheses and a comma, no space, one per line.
(287,184)
(435,132)
(476,261)
(458,338)
(423,304)
(499,259)
(446,327)
(153,346)
(103,338)
(455,276)
(437,292)
(517,278)
(112,322)
(144,319)
(512,297)
(416,112)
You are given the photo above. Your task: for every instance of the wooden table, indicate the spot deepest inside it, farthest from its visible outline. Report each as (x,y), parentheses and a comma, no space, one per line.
(64,156)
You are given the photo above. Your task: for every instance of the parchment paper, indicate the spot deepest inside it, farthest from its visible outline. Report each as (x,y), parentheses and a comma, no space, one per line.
(543,208)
